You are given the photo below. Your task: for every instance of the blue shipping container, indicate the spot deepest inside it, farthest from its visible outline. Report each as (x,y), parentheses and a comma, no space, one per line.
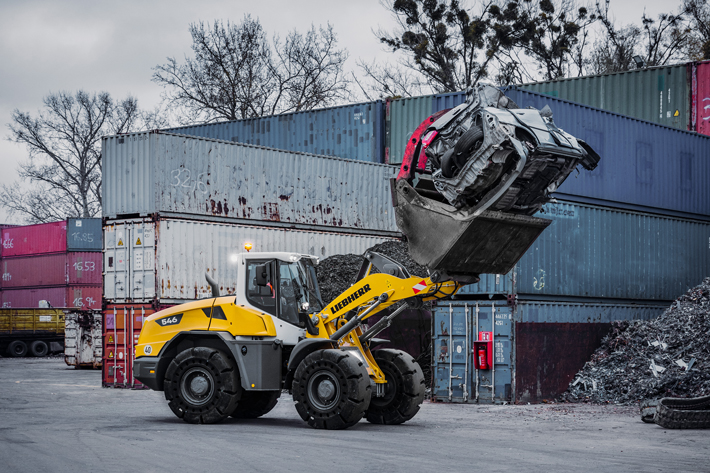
(530,339)
(84,234)
(602,252)
(643,163)
(350,131)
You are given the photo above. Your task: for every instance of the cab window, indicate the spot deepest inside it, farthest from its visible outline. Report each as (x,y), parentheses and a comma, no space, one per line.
(262,297)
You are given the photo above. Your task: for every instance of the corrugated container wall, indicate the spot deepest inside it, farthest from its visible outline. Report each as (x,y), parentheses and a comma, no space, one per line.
(643,164)
(350,131)
(84,234)
(591,251)
(404,117)
(701,98)
(39,239)
(537,346)
(146,173)
(88,297)
(656,94)
(168,260)
(601,252)
(52,270)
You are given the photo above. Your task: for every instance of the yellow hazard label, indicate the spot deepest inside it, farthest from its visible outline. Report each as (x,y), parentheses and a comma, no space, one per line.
(110,339)
(676,113)
(138,241)
(110,354)
(120,242)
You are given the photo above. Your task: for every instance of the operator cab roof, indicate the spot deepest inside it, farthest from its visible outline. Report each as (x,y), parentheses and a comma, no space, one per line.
(279,255)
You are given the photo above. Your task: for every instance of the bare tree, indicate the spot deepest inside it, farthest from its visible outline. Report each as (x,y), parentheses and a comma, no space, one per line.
(388,81)
(665,39)
(614,51)
(237,73)
(64,145)
(698,12)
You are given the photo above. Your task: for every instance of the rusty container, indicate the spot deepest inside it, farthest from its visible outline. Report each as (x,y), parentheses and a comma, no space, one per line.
(122,325)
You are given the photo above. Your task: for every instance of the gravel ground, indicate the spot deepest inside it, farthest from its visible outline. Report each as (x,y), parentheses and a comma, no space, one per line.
(54,418)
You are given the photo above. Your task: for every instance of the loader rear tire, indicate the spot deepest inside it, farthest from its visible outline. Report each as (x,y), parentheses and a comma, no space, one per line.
(331,389)
(202,385)
(254,404)
(404,391)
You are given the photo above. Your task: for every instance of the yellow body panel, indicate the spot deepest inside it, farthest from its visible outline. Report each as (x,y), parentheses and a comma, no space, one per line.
(241,320)
(160,327)
(31,321)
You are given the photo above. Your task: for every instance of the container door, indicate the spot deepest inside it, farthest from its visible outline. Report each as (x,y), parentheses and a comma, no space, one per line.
(115,262)
(451,357)
(494,321)
(142,261)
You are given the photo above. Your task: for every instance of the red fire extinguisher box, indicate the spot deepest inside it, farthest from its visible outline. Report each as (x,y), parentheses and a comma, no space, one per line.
(483,351)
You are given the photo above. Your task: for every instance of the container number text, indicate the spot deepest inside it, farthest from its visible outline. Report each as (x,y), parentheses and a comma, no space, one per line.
(183,178)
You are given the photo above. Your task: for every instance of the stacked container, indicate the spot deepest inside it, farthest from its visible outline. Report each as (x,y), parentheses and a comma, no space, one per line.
(625,240)
(178,207)
(58,262)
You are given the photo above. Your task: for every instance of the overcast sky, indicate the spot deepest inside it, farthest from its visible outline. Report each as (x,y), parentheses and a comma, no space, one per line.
(48,46)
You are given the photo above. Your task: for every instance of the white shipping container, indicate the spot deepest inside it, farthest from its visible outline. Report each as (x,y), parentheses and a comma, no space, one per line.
(82,339)
(151,172)
(167,259)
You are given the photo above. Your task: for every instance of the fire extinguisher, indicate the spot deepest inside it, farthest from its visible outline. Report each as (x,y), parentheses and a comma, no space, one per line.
(483,358)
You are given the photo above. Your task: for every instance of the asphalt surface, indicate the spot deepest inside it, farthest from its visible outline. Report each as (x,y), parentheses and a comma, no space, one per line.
(55,418)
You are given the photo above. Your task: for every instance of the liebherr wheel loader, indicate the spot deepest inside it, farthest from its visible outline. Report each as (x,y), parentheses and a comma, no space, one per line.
(471,179)
(232,355)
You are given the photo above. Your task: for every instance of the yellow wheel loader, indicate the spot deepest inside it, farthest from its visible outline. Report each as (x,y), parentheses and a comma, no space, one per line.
(233,355)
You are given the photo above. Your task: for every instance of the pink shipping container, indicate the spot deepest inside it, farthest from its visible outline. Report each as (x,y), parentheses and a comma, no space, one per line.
(52,270)
(84,268)
(39,239)
(87,297)
(701,97)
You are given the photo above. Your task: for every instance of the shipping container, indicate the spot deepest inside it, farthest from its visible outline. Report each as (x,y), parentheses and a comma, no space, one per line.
(167,259)
(606,253)
(655,94)
(405,115)
(536,347)
(83,331)
(700,98)
(644,165)
(354,131)
(44,238)
(77,268)
(84,234)
(34,332)
(148,173)
(122,324)
(79,297)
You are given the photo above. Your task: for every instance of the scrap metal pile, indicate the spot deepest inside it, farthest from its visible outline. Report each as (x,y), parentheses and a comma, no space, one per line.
(665,357)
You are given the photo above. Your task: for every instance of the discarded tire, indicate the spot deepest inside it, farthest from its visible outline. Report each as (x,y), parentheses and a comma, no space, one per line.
(17,348)
(648,410)
(202,385)
(254,404)
(39,348)
(683,413)
(404,391)
(331,389)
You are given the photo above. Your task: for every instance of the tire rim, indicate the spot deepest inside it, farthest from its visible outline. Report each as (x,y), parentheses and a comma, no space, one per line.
(323,390)
(18,350)
(197,386)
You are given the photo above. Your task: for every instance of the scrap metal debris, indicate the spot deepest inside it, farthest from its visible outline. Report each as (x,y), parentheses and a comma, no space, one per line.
(640,360)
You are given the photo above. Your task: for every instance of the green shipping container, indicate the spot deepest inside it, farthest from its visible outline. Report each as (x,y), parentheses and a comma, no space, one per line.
(656,94)
(403,118)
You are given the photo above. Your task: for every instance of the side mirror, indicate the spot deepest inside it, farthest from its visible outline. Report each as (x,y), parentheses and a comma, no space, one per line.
(263,275)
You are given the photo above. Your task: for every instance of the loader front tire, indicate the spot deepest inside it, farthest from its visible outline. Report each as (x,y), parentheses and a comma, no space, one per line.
(202,385)
(331,389)
(404,391)
(254,404)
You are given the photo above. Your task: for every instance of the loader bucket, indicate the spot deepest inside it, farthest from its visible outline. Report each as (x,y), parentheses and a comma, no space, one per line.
(458,245)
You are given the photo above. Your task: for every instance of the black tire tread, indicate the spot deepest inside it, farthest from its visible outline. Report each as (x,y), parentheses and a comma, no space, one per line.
(39,348)
(683,413)
(410,395)
(11,350)
(355,385)
(226,378)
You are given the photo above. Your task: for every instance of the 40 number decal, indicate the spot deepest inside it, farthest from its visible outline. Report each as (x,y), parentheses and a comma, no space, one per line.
(170,320)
